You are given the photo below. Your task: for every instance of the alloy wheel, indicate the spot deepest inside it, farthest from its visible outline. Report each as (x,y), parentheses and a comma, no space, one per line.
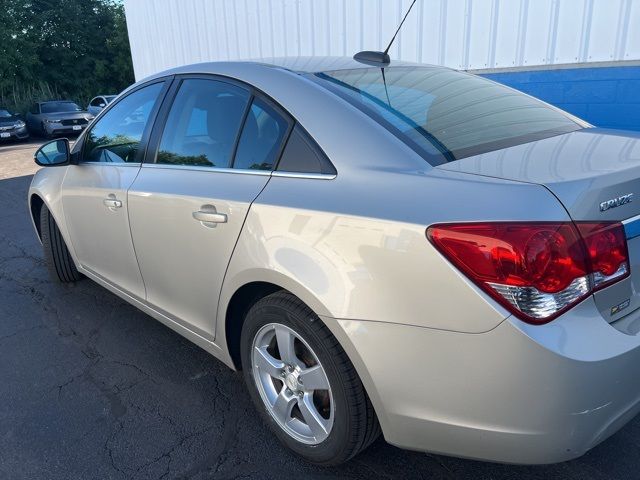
(292,383)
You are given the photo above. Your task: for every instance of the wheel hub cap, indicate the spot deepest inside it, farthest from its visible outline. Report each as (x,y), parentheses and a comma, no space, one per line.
(291,381)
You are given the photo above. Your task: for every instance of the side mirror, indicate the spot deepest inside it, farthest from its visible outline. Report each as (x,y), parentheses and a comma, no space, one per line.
(53,154)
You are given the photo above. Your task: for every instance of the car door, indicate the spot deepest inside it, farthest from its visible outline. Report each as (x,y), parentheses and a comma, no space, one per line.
(94,191)
(187,207)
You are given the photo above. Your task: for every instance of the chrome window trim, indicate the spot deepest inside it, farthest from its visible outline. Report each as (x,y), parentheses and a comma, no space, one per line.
(111,164)
(273,173)
(198,168)
(311,176)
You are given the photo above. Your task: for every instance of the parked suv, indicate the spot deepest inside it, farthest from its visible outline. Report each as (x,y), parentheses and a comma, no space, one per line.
(60,117)
(11,126)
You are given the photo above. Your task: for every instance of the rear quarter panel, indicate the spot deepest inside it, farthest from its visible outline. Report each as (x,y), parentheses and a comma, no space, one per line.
(355,247)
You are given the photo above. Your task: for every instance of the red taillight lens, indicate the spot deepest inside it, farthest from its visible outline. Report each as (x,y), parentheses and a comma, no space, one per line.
(606,245)
(536,270)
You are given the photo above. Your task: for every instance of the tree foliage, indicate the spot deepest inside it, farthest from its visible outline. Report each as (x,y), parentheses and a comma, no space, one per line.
(72,49)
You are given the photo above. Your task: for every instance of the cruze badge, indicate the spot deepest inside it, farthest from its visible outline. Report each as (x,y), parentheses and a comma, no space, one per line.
(616,202)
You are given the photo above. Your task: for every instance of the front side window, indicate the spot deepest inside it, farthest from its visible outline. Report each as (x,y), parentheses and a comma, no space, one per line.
(447,115)
(96,102)
(116,137)
(203,124)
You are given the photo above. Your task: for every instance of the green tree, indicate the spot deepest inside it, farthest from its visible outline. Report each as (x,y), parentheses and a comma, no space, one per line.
(64,48)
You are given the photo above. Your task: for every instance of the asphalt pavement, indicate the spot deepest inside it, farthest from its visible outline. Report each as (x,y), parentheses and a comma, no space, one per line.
(91,388)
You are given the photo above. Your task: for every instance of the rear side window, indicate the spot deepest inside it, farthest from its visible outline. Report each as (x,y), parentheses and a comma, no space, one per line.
(446,115)
(302,155)
(203,124)
(262,135)
(116,136)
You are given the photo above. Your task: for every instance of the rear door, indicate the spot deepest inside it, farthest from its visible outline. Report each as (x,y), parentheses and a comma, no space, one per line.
(189,202)
(94,192)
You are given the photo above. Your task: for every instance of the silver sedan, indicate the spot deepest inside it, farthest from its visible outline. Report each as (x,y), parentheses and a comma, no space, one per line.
(407,250)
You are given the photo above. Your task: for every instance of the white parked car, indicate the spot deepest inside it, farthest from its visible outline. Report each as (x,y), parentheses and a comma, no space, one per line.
(97,104)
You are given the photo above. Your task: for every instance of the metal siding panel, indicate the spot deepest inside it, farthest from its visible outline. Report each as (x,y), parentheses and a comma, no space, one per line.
(536,43)
(457,33)
(408,38)
(432,27)
(454,30)
(389,18)
(306,29)
(632,43)
(370,20)
(603,34)
(353,17)
(506,42)
(568,31)
(478,34)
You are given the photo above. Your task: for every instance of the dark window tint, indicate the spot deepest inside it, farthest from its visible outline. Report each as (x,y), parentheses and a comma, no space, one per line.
(116,137)
(96,102)
(302,155)
(261,139)
(203,124)
(447,115)
(60,107)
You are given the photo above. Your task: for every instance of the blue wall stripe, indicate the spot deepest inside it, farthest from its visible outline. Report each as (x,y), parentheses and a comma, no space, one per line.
(632,229)
(607,97)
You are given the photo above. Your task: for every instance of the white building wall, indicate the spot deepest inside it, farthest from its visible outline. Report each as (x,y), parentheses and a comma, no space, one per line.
(464,34)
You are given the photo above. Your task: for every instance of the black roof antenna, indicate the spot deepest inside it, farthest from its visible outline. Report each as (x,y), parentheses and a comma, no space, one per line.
(381,58)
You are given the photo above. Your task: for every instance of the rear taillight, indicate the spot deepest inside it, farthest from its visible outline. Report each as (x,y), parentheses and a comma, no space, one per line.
(536,270)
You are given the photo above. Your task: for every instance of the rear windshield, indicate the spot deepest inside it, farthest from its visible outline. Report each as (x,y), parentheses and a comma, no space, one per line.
(57,107)
(446,115)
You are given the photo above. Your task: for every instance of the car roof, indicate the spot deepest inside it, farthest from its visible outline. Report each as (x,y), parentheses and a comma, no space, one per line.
(56,101)
(293,64)
(319,64)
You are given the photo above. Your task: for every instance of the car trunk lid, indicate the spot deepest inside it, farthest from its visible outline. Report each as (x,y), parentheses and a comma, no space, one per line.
(595,173)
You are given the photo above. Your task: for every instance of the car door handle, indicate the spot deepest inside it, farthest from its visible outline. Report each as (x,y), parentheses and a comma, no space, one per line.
(211,217)
(112,202)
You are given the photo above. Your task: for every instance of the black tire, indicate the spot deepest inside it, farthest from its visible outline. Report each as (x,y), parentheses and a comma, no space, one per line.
(355,424)
(56,254)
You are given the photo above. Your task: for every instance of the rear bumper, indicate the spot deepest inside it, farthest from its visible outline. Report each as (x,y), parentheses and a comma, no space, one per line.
(516,394)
